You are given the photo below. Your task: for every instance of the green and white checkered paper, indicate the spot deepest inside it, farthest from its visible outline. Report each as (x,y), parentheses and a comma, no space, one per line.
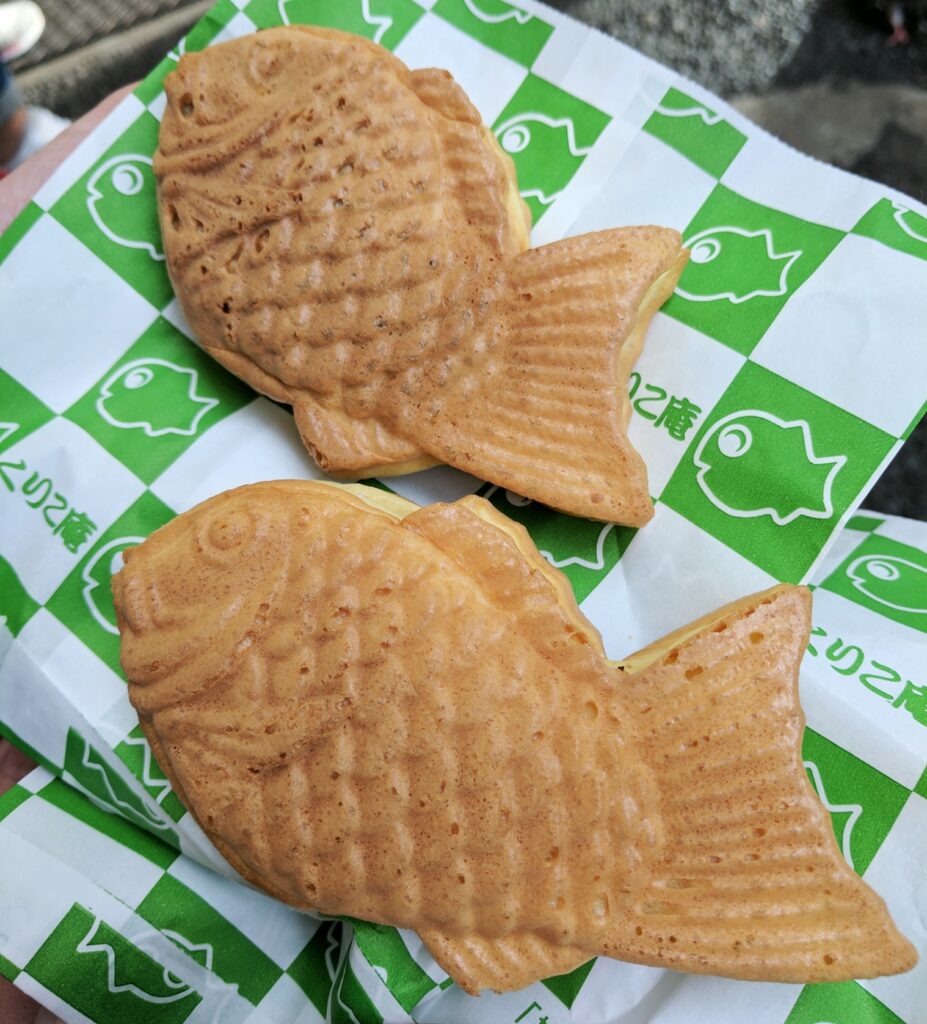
(776,383)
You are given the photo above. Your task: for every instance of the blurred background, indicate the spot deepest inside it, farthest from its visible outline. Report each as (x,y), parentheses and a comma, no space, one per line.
(842,80)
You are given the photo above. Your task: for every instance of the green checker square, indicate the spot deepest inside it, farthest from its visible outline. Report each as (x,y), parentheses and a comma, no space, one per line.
(863,803)
(157,400)
(113,210)
(566,987)
(746,261)
(20,413)
(887,577)
(205,935)
(89,768)
(313,968)
(389,956)
(895,225)
(349,1001)
(840,1002)
(153,82)
(84,601)
(548,133)
(921,788)
(696,131)
(14,797)
(102,975)
(16,231)
(8,969)
(583,550)
(136,755)
(67,798)
(17,606)
(499,25)
(386,22)
(772,469)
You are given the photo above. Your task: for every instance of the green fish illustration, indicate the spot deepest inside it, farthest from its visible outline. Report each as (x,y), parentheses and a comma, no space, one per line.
(911,223)
(734,264)
(155,396)
(892,581)
(752,463)
(545,151)
(96,578)
(122,202)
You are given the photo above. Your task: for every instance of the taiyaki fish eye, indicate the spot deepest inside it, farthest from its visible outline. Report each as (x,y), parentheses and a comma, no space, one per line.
(137,378)
(127,179)
(226,534)
(705,250)
(882,570)
(735,440)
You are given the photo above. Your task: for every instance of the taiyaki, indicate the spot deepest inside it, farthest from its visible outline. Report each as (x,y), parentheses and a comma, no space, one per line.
(345,235)
(400,715)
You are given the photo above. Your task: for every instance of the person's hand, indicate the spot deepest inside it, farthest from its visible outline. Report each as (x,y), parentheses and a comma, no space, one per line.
(18,187)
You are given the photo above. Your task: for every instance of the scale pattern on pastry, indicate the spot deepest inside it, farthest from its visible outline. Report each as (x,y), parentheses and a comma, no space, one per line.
(408,720)
(347,236)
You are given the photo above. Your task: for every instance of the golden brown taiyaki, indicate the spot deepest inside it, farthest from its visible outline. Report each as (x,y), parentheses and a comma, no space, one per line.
(399,714)
(345,235)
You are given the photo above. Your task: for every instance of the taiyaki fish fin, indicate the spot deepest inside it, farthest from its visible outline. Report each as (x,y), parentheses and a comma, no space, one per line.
(503,965)
(550,410)
(751,883)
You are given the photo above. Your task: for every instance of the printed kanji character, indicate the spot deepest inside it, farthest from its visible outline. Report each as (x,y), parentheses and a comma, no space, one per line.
(37,485)
(58,505)
(652,396)
(4,466)
(678,417)
(914,700)
(75,529)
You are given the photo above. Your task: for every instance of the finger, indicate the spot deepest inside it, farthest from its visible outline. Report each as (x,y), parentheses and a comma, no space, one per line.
(13,766)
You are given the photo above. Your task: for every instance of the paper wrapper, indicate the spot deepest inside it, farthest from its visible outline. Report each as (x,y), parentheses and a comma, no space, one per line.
(778,380)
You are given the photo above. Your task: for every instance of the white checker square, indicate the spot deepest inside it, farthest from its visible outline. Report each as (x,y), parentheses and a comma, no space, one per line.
(241,4)
(776,175)
(441,483)
(602,71)
(670,351)
(119,719)
(240,25)
(74,670)
(652,184)
(891,740)
(699,998)
(174,315)
(840,335)
(276,929)
(60,345)
(83,474)
(114,867)
(841,546)
(906,531)
(158,105)
(898,873)
(86,154)
(258,442)
(660,584)
(286,1003)
(37,779)
(487,77)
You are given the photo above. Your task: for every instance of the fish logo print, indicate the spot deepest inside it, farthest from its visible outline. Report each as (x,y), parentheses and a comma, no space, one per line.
(736,455)
(734,264)
(155,396)
(122,192)
(291,13)
(911,223)
(548,153)
(853,812)
(890,580)
(696,110)
(96,578)
(512,14)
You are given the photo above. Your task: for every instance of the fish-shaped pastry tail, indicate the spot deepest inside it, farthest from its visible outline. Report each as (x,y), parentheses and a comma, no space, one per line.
(550,405)
(347,236)
(400,715)
(752,884)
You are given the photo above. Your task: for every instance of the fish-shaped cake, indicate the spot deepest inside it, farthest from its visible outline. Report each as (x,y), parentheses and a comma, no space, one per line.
(400,715)
(346,235)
